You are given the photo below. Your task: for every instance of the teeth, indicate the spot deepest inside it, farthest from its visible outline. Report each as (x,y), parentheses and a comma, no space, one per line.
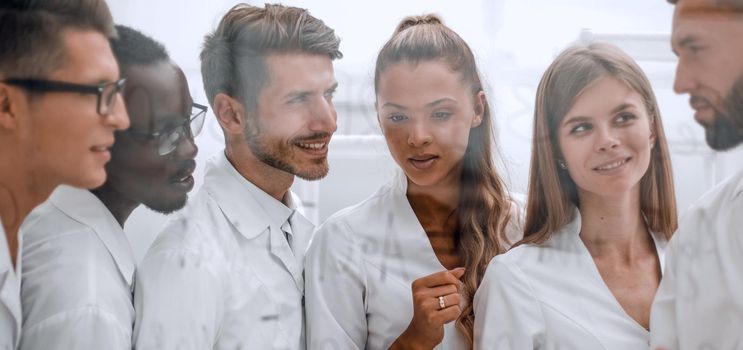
(611,166)
(100,148)
(312,145)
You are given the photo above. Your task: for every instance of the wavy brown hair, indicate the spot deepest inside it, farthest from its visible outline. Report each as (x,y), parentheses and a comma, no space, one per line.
(484,208)
(552,193)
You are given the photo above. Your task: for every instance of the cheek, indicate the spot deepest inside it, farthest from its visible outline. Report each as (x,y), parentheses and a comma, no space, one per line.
(396,138)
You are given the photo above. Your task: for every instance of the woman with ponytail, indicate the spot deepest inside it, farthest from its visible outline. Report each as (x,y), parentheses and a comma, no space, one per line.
(399,269)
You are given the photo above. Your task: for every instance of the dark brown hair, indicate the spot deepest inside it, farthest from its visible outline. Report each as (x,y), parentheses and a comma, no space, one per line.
(233,56)
(484,209)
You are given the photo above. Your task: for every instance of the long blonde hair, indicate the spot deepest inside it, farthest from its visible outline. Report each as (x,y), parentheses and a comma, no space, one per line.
(484,208)
(552,193)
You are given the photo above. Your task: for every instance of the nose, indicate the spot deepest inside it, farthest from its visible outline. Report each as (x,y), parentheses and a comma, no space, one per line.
(186,148)
(119,118)
(419,135)
(324,116)
(684,81)
(605,140)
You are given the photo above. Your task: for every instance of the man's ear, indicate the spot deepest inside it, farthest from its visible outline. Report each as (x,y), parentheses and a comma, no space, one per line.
(230,113)
(479,103)
(10,100)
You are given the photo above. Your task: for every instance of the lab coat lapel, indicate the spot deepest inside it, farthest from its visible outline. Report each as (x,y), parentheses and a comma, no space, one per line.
(86,208)
(281,250)
(245,214)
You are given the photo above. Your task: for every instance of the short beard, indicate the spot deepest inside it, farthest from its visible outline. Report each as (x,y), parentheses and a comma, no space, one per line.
(277,155)
(726,131)
(167,207)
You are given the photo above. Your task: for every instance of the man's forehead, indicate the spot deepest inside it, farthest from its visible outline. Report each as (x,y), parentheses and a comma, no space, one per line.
(159,90)
(709,9)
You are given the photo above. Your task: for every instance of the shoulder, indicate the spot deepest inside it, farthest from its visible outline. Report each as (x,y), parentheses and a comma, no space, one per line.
(717,210)
(369,212)
(48,222)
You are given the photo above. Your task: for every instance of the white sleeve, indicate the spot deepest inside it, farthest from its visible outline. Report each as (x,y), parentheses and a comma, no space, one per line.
(178,298)
(507,314)
(663,332)
(335,290)
(85,328)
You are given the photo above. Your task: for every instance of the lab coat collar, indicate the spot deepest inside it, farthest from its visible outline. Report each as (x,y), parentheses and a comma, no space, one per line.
(568,238)
(249,209)
(407,229)
(85,208)
(10,282)
(572,230)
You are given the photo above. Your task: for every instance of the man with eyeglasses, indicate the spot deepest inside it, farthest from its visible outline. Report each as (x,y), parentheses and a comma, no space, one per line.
(59,108)
(227,272)
(78,267)
(699,303)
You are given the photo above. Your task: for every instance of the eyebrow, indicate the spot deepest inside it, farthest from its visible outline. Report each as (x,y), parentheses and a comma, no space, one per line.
(334,87)
(428,105)
(580,118)
(393,105)
(687,40)
(297,93)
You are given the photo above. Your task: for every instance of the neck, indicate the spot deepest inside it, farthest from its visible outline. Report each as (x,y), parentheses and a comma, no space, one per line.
(614,225)
(273,181)
(20,191)
(118,204)
(437,200)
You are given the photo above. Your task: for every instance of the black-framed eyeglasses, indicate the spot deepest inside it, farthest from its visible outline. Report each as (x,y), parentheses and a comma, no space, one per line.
(168,140)
(106,92)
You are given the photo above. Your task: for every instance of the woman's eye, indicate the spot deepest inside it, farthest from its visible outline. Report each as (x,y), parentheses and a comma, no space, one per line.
(397,118)
(625,117)
(441,115)
(580,128)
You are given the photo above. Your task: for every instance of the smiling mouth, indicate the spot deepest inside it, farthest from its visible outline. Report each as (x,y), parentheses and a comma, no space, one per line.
(612,165)
(311,145)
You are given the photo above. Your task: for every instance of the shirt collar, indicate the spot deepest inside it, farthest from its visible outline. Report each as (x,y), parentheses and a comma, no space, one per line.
(247,207)
(85,208)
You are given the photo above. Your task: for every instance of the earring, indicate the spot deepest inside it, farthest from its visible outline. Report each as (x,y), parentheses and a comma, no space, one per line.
(562,164)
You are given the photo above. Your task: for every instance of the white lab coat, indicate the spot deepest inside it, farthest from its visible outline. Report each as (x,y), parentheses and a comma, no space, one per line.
(78,269)
(360,267)
(222,274)
(551,296)
(699,304)
(10,296)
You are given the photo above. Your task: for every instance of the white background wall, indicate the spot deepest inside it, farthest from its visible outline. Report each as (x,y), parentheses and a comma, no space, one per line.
(514,40)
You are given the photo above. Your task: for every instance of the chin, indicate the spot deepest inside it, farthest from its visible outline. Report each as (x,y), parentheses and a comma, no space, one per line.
(166,204)
(89,180)
(312,173)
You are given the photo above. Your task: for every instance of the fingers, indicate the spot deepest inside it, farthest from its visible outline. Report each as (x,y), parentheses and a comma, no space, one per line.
(450,300)
(447,315)
(439,278)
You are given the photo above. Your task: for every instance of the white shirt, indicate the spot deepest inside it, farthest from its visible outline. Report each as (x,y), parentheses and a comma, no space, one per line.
(10,299)
(222,274)
(360,267)
(77,275)
(552,296)
(699,304)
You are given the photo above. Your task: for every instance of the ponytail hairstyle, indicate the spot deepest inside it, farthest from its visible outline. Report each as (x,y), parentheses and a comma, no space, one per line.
(484,209)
